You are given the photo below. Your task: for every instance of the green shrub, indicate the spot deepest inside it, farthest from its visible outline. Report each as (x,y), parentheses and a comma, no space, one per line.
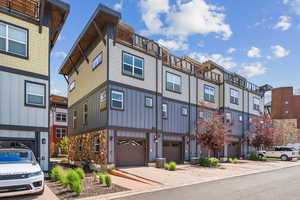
(95,176)
(63,178)
(102,178)
(108,181)
(172,166)
(166,166)
(55,173)
(233,160)
(72,176)
(80,172)
(76,187)
(209,162)
(256,157)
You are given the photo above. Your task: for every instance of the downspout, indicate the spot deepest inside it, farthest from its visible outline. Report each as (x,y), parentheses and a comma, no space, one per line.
(108,98)
(189,127)
(243,121)
(156,108)
(197,114)
(248,147)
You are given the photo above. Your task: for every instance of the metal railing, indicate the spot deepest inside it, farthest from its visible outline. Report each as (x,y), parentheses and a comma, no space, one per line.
(29,8)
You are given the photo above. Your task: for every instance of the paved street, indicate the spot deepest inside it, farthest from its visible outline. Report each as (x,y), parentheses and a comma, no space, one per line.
(283,184)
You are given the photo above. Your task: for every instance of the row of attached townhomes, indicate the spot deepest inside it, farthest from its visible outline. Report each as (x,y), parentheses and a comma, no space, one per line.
(28,32)
(130,101)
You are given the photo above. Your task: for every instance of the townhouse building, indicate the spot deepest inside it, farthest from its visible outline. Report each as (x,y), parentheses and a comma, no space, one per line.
(28,32)
(58,122)
(131,101)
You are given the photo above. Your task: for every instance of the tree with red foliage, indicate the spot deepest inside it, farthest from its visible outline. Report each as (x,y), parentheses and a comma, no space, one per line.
(263,134)
(212,130)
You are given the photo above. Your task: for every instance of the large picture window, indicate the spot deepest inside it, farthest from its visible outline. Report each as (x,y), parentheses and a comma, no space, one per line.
(173,82)
(133,65)
(35,94)
(234,96)
(209,93)
(13,39)
(117,101)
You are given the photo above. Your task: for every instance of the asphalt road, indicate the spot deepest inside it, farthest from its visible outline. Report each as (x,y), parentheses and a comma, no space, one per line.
(283,184)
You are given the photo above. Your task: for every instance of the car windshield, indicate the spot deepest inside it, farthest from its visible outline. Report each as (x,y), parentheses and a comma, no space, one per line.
(8,156)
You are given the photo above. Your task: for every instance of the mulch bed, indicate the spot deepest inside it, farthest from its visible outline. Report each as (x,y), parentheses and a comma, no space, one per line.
(90,188)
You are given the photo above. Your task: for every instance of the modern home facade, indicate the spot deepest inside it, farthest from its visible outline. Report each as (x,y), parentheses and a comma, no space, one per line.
(28,31)
(130,101)
(58,122)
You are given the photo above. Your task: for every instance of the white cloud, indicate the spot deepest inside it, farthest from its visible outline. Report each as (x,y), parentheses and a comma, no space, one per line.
(231,50)
(226,62)
(174,45)
(254,52)
(284,23)
(118,6)
(294,4)
(279,51)
(59,54)
(184,19)
(252,69)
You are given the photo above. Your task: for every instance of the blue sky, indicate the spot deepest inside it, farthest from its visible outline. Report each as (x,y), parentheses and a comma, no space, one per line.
(257,38)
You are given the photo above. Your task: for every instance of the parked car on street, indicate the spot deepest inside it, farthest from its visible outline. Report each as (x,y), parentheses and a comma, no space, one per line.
(19,173)
(295,145)
(284,153)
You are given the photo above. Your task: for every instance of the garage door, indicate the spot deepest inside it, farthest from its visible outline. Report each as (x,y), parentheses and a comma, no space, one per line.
(172,151)
(19,144)
(130,152)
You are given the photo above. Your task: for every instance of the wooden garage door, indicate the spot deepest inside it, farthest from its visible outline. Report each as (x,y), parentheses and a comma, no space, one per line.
(130,152)
(172,151)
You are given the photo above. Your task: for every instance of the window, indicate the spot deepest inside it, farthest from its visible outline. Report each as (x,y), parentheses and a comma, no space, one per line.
(234,96)
(85,114)
(164,110)
(209,93)
(184,111)
(228,117)
(173,82)
(149,102)
(61,117)
(256,103)
(133,65)
(286,112)
(117,100)
(96,144)
(286,102)
(79,147)
(13,39)
(97,60)
(103,100)
(60,132)
(72,86)
(241,118)
(74,119)
(35,94)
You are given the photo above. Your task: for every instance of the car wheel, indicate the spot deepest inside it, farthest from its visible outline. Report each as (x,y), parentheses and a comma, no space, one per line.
(260,155)
(284,158)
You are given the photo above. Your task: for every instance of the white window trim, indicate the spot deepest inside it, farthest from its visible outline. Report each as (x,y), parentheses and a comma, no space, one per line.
(61,132)
(43,105)
(211,89)
(7,38)
(61,116)
(148,106)
(72,86)
(132,65)
(236,95)
(173,84)
(112,99)
(100,57)
(164,105)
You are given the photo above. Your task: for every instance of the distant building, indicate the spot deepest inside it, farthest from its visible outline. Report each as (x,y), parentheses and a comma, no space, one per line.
(285,110)
(58,121)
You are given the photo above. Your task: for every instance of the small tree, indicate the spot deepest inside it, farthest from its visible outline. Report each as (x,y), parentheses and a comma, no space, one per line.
(64,144)
(263,134)
(212,130)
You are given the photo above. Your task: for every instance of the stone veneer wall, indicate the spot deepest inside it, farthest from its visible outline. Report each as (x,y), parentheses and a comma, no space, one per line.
(291,132)
(87,147)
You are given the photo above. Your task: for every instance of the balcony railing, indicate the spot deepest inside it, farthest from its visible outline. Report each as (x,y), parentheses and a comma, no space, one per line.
(29,8)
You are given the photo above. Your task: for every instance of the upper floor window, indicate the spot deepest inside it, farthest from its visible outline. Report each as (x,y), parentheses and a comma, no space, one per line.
(97,60)
(256,103)
(117,100)
(85,113)
(13,39)
(60,132)
(209,93)
(75,119)
(61,117)
(103,100)
(149,102)
(72,86)
(184,111)
(164,110)
(286,102)
(234,96)
(133,65)
(286,112)
(173,82)
(35,94)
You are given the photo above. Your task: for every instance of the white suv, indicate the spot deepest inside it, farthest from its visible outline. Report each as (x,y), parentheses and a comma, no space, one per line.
(19,173)
(284,153)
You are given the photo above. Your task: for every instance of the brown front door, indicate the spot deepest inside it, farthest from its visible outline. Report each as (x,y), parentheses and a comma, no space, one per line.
(130,152)
(172,151)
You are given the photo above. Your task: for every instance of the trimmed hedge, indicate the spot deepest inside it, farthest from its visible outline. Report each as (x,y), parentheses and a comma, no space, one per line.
(256,157)
(233,160)
(209,162)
